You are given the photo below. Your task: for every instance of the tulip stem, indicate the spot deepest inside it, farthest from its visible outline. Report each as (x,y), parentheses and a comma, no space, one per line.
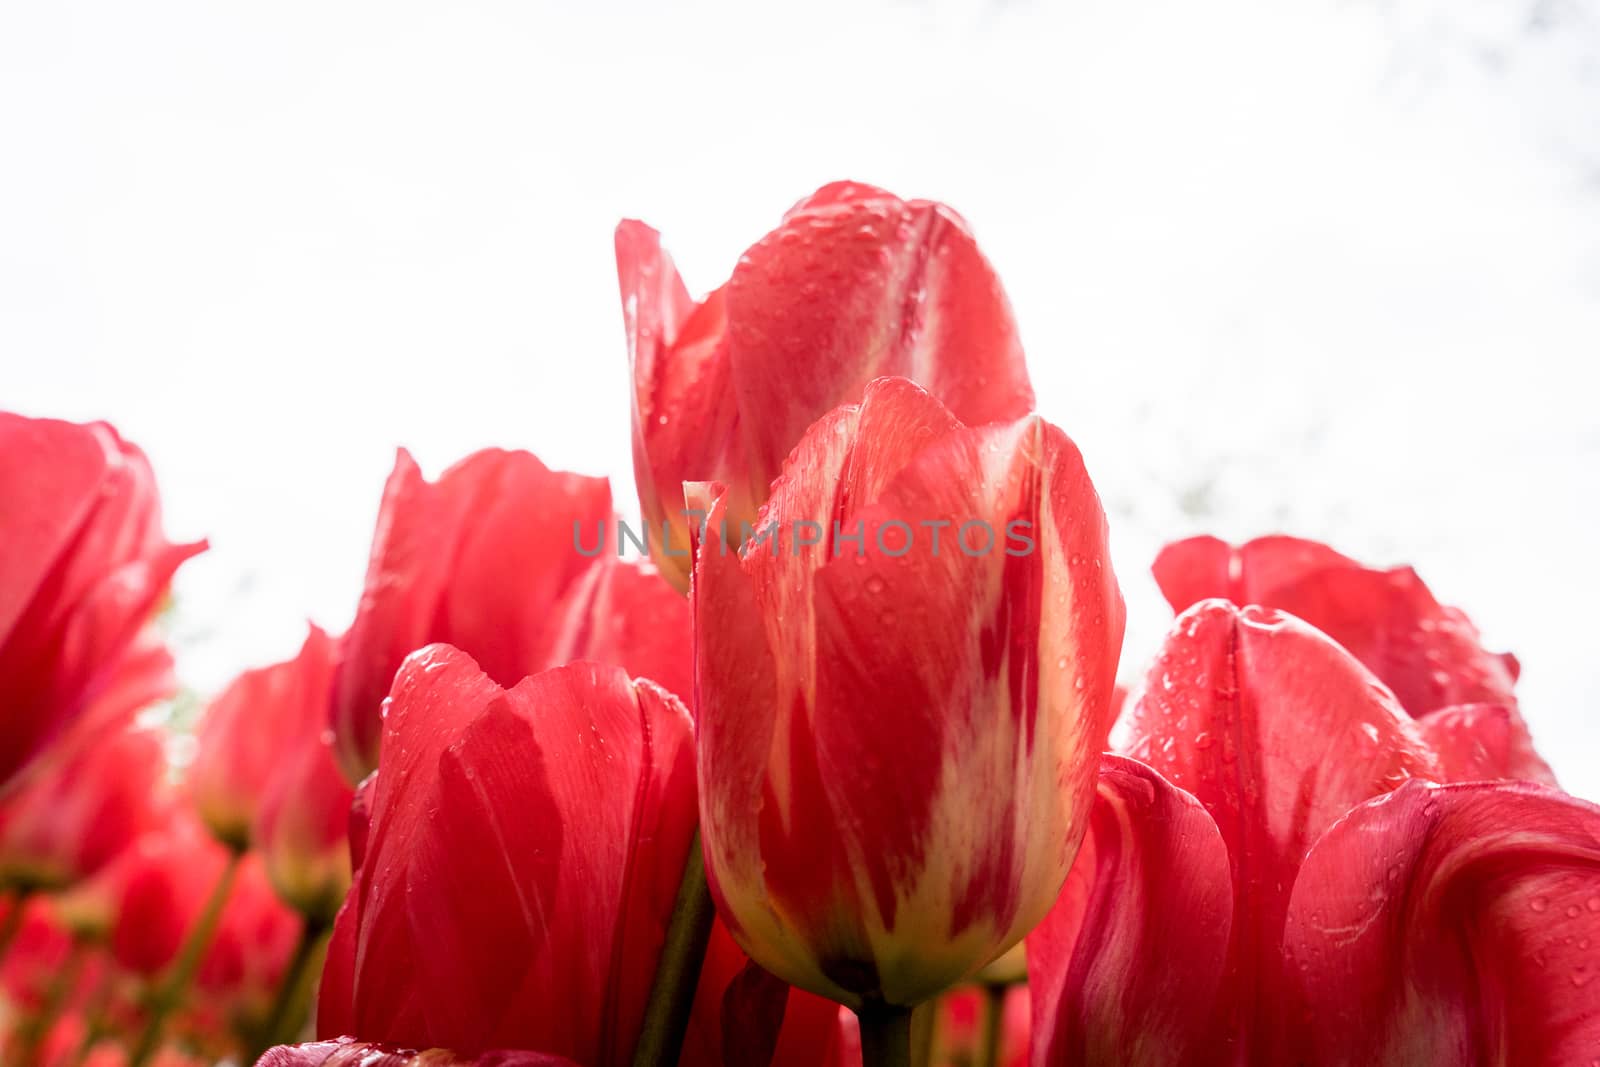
(25,1039)
(994,1007)
(666,1017)
(885,1035)
(292,1004)
(171,989)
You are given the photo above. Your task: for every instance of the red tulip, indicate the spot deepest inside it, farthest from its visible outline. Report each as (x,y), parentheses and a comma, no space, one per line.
(89,798)
(1125,968)
(898,745)
(37,953)
(301,831)
(85,566)
(348,1052)
(520,862)
(853,285)
(253,732)
(489,559)
(1388,619)
(1169,943)
(1449,925)
(164,882)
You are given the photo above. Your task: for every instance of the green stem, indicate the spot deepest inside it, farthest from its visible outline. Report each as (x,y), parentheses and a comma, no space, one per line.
(95,1021)
(18,903)
(994,1009)
(170,992)
(885,1035)
(666,1017)
(292,1004)
(33,1029)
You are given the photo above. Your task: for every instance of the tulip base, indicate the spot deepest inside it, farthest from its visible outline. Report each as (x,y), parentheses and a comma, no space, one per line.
(885,1035)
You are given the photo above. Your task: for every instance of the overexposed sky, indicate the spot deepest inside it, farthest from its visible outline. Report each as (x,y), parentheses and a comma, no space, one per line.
(1330,268)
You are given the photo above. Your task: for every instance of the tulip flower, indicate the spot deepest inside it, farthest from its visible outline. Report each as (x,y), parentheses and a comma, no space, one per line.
(1429,654)
(527,844)
(163,885)
(854,284)
(89,798)
(1257,736)
(489,558)
(253,732)
(1449,925)
(84,568)
(898,743)
(301,831)
(1388,619)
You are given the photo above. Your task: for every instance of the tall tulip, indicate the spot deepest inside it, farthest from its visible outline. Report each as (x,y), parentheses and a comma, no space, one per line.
(85,566)
(527,844)
(853,285)
(898,743)
(489,559)
(1173,941)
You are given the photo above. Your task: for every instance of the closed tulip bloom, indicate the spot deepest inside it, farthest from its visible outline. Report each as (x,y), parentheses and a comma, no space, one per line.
(500,558)
(898,744)
(85,566)
(527,844)
(90,797)
(162,885)
(252,733)
(301,830)
(854,284)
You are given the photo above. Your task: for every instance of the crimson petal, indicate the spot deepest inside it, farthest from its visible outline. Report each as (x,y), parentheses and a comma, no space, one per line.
(1450,925)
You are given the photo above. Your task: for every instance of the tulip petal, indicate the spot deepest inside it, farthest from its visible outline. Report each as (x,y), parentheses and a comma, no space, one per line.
(1476,742)
(1125,968)
(625,613)
(1450,925)
(480,559)
(50,471)
(685,421)
(1278,732)
(856,284)
(1428,654)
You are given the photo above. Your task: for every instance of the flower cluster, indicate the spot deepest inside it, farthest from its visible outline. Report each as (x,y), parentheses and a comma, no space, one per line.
(772,789)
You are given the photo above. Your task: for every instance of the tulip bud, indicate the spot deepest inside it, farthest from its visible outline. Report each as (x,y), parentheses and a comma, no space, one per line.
(256,727)
(86,801)
(853,285)
(494,558)
(302,831)
(898,735)
(84,567)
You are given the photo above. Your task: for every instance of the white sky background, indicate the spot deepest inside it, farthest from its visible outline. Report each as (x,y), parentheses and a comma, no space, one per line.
(1329,268)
